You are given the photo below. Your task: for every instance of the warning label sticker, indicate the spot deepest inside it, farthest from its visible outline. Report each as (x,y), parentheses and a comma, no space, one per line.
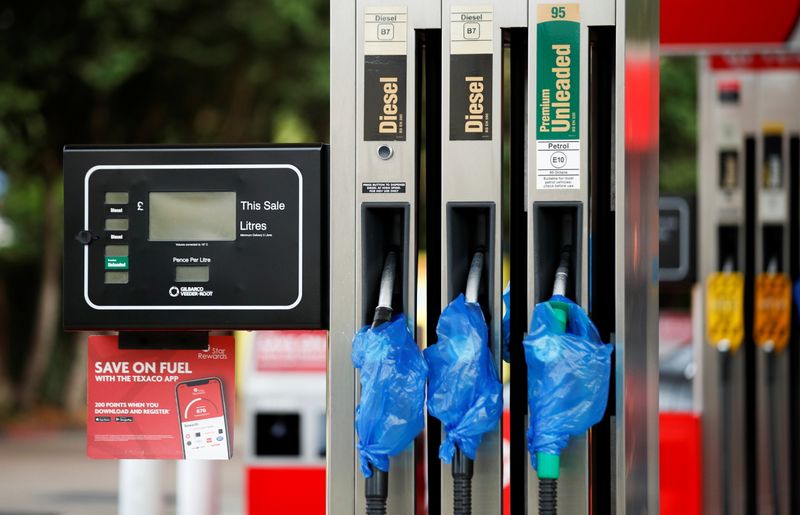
(558,165)
(773,310)
(725,309)
(383,187)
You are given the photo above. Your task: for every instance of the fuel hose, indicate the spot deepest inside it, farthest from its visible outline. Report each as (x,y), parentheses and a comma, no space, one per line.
(463,467)
(548,464)
(769,365)
(376,490)
(769,351)
(724,350)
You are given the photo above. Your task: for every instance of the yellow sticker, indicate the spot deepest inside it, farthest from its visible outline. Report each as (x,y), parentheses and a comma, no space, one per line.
(772,128)
(773,310)
(725,309)
(558,12)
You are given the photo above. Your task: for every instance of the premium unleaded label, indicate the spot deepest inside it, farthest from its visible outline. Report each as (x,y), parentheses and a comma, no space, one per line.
(558,148)
(385,85)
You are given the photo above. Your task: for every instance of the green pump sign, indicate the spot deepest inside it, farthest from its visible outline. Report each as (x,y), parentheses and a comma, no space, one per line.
(558,59)
(558,71)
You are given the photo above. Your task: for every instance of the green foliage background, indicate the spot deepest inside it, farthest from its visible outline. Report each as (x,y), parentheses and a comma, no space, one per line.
(678,125)
(143,71)
(152,71)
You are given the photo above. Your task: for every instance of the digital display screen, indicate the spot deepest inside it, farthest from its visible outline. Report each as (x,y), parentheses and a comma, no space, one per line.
(193,216)
(191,274)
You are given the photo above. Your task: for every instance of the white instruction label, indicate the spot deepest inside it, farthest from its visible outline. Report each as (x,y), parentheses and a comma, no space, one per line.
(558,165)
(772,206)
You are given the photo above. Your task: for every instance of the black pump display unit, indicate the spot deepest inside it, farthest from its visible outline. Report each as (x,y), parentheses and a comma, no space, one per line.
(195,238)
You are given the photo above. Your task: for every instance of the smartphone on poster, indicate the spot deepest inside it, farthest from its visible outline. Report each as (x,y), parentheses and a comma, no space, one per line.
(203,419)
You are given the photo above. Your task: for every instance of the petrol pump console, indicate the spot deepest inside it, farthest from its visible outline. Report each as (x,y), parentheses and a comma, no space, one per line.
(195,238)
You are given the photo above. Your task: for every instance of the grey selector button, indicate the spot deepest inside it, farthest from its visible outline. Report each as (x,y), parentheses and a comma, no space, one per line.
(116,277)
(117,197)
(117,250)
(116,224)
(385,152)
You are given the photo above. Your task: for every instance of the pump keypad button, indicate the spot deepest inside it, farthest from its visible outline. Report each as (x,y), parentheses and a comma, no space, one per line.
(116,277)
(116,250)
(116,197)
(116,224)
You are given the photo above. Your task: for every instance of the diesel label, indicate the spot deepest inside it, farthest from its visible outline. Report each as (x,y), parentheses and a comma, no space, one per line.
(385,98)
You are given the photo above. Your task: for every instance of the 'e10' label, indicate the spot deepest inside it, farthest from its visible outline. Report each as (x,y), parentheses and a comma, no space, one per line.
(558,165)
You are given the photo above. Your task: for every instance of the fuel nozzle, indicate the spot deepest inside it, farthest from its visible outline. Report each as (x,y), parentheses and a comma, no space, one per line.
(383,312)
(560,309)
(474,276)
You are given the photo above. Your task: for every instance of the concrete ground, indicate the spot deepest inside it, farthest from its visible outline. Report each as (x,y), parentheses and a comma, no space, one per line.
(49,474)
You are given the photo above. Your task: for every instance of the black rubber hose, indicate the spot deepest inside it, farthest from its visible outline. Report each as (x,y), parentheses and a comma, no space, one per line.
(463,469)
(548,494)
(773,433)
(377,491)
(377,486)
(725,425)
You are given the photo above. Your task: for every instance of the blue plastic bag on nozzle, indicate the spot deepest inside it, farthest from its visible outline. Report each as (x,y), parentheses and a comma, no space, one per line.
(391,412)
(568,375)
(464,390)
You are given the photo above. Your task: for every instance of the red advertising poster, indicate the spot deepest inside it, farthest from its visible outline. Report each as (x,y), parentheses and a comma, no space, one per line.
(160,404)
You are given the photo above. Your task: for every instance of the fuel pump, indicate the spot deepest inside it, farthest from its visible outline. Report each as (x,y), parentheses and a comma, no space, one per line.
(377,57)
(773,127)
(471,203)
(591,178)
(724,171)
(585,77)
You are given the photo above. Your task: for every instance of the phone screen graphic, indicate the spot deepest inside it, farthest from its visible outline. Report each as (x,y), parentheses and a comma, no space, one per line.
(204,430)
